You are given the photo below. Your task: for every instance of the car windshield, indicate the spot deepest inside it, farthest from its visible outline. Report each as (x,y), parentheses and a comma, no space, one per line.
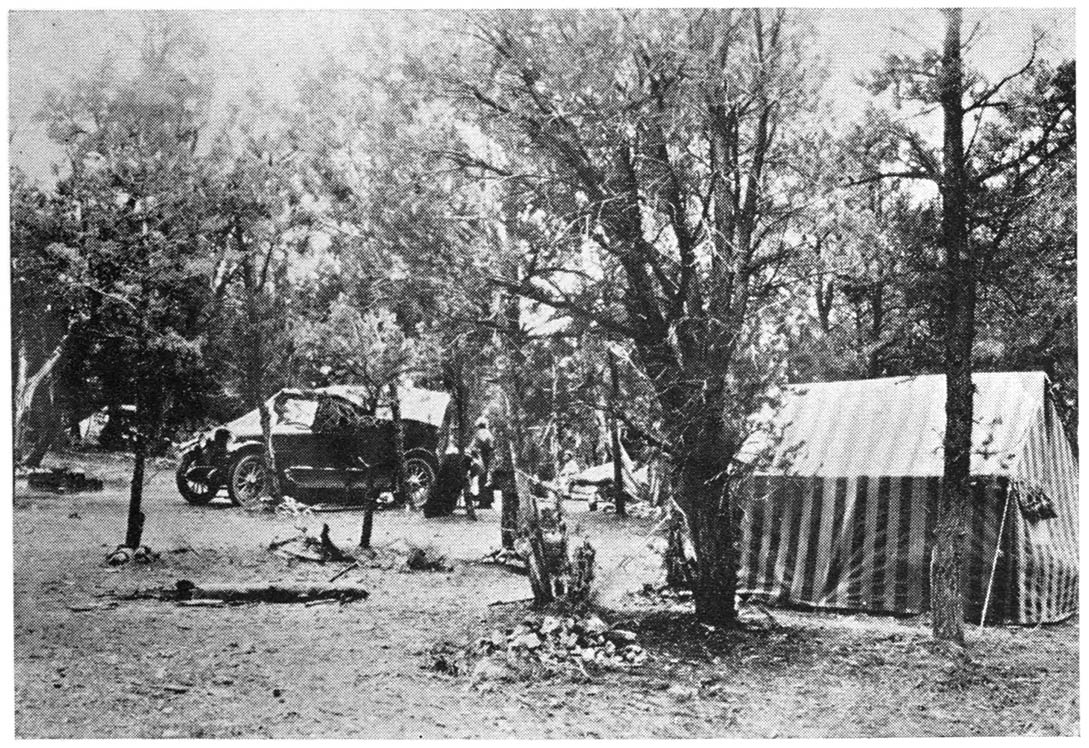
(297,412)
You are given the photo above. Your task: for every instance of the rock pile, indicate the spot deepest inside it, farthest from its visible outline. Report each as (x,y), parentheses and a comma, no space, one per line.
(555,641)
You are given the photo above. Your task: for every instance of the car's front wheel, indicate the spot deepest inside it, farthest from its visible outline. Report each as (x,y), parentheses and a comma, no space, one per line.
(248,480)
(193,490)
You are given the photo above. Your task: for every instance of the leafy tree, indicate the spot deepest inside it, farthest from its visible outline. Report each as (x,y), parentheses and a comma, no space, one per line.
(866,278)
(134,194)
(665,139)
(255,220)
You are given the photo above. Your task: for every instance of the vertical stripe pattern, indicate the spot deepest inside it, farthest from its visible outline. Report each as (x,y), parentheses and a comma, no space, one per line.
(865,542)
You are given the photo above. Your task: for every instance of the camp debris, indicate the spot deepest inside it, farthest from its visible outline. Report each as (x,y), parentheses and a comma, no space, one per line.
(306,547)
(62,480)
(123,554)
(505,557)
(426,559)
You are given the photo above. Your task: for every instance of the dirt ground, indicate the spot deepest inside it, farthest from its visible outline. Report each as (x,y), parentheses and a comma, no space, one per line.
(87,666)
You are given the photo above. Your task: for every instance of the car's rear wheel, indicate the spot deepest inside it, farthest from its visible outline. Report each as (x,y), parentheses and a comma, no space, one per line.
(195,491)
(419,478)
(248,481)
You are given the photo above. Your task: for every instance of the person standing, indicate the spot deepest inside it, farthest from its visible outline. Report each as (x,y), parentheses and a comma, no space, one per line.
(482,450)
(568,471)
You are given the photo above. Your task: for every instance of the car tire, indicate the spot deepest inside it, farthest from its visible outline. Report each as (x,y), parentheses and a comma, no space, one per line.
(247,480)
(197,494)
(420,474)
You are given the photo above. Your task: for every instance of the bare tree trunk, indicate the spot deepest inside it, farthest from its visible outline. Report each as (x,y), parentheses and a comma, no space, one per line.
(678,574)
(618,455)
(368,522)
(26,387)
(42,445)
(946,601)
(399,492)
(255,367)
(275,490)
(134,528)
(19,437)
(515,363)
(708,505)
(554,446)
(461,404)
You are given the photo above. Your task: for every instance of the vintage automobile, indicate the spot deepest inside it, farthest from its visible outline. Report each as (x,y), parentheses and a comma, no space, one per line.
(330,444)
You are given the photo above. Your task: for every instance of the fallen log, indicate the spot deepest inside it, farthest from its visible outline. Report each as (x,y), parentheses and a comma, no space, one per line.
(185,591)
(269,593)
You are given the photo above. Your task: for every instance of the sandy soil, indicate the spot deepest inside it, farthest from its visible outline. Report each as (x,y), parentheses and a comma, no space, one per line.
(86,666)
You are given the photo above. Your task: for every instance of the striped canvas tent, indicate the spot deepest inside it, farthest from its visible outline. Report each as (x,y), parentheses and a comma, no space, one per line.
(840,511)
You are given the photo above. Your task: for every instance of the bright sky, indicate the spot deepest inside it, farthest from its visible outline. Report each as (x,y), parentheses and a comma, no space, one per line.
(246,48)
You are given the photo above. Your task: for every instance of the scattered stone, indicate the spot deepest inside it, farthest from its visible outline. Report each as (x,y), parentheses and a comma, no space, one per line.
(490,669)
(593,625)
(550,624)
(681,692)
(551,644)
(529,641)
(123,555)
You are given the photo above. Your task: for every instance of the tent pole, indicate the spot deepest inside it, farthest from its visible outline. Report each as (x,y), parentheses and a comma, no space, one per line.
(997,550)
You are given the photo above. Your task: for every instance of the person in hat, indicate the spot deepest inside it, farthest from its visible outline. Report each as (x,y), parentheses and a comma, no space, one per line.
(481,450)
(568,470)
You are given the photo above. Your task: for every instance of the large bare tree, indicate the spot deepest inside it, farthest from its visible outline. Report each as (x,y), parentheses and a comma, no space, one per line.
(1021,130)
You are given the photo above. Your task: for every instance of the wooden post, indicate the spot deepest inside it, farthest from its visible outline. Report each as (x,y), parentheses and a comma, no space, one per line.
(997,553)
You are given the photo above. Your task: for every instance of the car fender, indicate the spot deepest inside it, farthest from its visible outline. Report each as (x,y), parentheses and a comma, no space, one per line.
(235,449)
(425,454)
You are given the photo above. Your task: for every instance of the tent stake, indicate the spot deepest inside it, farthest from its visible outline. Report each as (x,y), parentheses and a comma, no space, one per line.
(994,562)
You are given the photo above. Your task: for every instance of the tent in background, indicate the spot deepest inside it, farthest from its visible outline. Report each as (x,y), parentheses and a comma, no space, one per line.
(599,476)
(840,511)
